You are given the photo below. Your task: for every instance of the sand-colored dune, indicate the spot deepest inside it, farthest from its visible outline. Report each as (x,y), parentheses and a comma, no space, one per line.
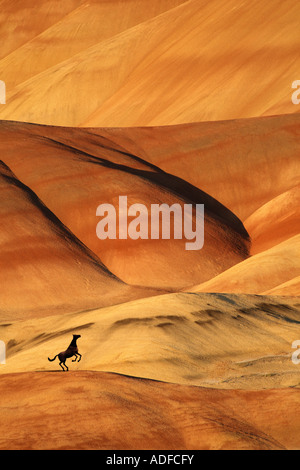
(180,338)
(291,287)
(167,101)
(243,163)
(275,221)
(80,25)
(44,268)
(75,170)
(259,273)
(252,167)
(112,412)
(182,62)
(23,20)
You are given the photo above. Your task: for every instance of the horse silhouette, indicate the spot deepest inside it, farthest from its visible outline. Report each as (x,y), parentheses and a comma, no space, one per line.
(70,352)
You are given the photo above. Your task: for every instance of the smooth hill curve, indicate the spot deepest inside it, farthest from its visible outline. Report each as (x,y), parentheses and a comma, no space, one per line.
(197,61)
(243,163)
(291,287)
(44,268)
(155,415)
(182,338)
(75,170)
(276,221)
(85,24)
(260,273)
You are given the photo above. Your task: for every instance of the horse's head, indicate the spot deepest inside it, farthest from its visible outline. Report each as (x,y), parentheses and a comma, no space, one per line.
(73,342)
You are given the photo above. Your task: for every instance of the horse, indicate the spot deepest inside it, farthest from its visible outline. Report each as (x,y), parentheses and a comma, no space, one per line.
(70,352)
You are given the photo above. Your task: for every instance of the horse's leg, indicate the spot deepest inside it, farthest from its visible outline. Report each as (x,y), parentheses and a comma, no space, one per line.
(80,356)
(74,360)
(61,366)
(66,366)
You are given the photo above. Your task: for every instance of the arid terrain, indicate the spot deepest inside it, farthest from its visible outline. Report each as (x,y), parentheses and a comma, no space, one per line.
(166,102)
(155,415)
(127,63)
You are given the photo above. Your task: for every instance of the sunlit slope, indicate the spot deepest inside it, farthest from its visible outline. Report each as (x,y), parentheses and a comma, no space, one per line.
(155,415)
(275,221)
(220,60)
(44,268)
(23,20)
(75,170)
(243,163)
(197,61)
(250,167)
(263,272)
(87,24)
(183,338)
(291,287)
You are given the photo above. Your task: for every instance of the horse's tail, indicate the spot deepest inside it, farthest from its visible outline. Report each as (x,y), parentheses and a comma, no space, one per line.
(51,360)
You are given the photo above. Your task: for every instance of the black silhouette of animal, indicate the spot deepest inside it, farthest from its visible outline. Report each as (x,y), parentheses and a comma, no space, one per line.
(70,352)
